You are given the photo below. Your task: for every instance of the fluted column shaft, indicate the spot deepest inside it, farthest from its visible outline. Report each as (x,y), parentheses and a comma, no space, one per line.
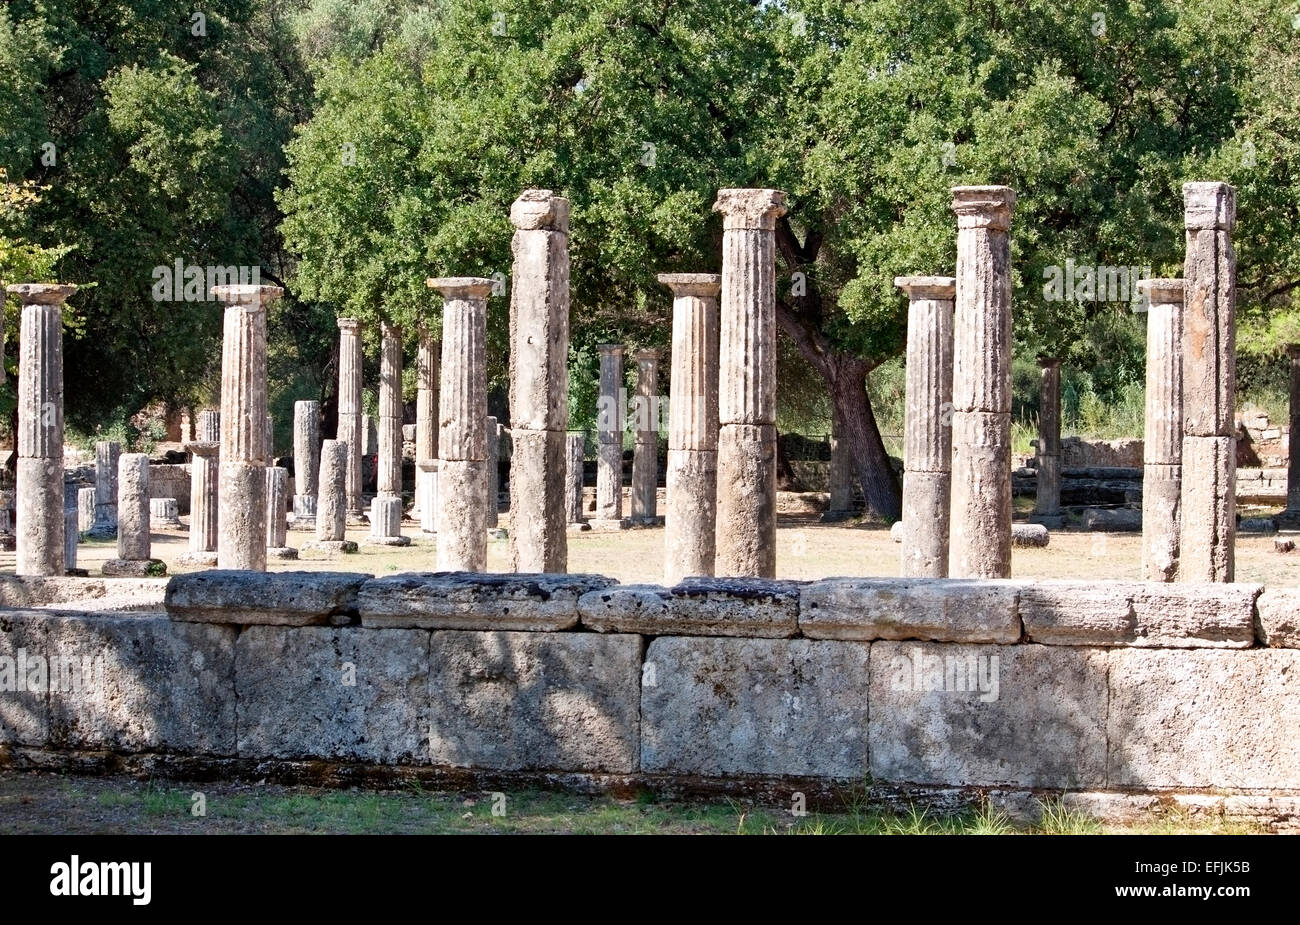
(306,449)
(573,458)
(980,528)
(349,429)
(241,542)
(691,479)
(492,476)
(1163,435)
(462,415)
(746,519)
(106,455)
(1208,516)
(609,435)
(41,525)
(927,427)
(1047,497)
(331,501)
(428,353)
(205,478)
(539,381)
(645,453)
(389,477)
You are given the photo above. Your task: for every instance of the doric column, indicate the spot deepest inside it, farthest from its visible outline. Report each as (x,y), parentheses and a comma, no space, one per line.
(241,542)
(1163,436)
(85,509)
(389,476)
(386,522)
(277,509)
(204,480)
(349,429)
(1208,514)
(134,554)
(691,478)
(574,452)
(306,461)
(427,489)
(609,439)
(462,416)
(106,456)
(427,355)
(493,471)
(41,524)
(746,526)
(980,530)
(539,381)
(1047,497)
(645,454)
(331,499)
(927,425)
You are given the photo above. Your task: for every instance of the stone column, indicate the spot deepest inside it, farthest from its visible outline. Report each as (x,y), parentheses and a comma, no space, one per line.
(426,482)
(241,539)
(493,472)
(332,499)
(39,442)
(386,522)
(1291,516)
(691,478)
(106,455)
(462,416)
(204,479)
(840,476)
(1047,497)
(389,475)
(609,440)
(306,461)
(426,409)
(165,513)
(645,453)
(277,508)
(349,429)
(927,426)
(539,381)
(980,531)
(71,535)
(1163,436)
(746,526)
(134,555)
(1208,503)
(574,452)
(85,509)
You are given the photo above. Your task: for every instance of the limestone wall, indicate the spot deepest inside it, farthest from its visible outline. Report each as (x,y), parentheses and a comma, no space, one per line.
(1109,691)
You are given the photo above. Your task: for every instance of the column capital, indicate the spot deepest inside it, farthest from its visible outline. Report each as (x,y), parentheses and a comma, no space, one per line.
(1162,291)
(1209,206)
(943,288)
(203,448)
(699,285)
(42,293)
(254,296)
(647,355)
(984,206)
(349,325)
(540,210)
(461,287)
(609,349)
(750,209)
(1049,362)
(388,329)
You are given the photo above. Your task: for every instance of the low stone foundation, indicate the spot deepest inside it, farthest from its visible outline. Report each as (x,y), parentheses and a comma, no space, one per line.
(1126,696)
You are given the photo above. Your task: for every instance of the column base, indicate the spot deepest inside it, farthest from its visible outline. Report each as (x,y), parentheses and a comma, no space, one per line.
(331,545)
(205,559)
(134,568)
(281,552)
(386,541)
(608,525)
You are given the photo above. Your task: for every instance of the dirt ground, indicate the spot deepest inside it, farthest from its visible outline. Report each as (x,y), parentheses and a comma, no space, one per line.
(805,549)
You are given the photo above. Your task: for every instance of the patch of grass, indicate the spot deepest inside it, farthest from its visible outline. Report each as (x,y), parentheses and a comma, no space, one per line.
(1059,819)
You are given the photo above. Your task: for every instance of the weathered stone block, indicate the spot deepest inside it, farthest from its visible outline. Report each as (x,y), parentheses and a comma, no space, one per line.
(342,693)
(1205,719)
(696,607)
(476,600)
(24,706)
(157,685)
(82,593)
(1279,618)
(523,701)
(950,714)
(900,608)
(275,598)
(1149,614)
(755,706)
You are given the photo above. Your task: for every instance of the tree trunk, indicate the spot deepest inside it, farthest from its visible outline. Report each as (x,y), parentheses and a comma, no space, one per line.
(861,435)
(786,480)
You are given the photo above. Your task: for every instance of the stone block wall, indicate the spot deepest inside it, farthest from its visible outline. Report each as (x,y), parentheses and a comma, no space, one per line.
(1101,690)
